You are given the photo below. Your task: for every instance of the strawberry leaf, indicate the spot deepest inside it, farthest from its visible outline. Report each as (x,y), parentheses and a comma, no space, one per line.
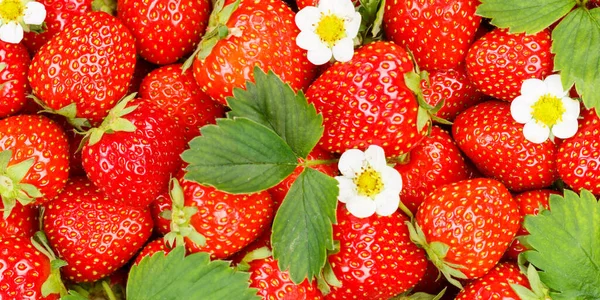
(176,276)
(576,44)
(239,156)
(302,228)
(529,16)
(565,243)
(274,104)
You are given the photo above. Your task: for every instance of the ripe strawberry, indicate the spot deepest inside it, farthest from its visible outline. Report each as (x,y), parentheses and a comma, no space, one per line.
(499,62)
(529,204)
(454,88)
(134,166)
(14,87)
(38,160)
(435,161)
(376,259)
(438,32)
(476,219)
(495,284)
(151,248)
(22,222)
(578,157)
(162,203)
(495,143)
(263,34)
(366,102)
(59,13)
(164,30)
(77,66)
(92,233)
(179,95)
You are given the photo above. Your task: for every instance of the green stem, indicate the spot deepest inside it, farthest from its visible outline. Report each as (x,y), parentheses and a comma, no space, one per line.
(108,290)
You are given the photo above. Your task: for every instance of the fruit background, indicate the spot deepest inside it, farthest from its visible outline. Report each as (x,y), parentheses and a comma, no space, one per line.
(270,149)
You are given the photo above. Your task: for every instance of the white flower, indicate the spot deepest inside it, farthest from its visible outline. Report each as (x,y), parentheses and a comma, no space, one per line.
(368,185)
(327,30)
(545,109)
(16,16)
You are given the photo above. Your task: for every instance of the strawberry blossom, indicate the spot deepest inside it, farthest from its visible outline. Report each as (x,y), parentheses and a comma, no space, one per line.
(328,30)
(368,185)
(545,109)
(17,16)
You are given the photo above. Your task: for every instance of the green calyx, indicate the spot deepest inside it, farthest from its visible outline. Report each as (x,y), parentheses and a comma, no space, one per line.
(217,30)
(436,252)
(107,6)
(260,253)
(420,296)
(538,290)
(114,122)
(11,188)
(180,217)
(326,278)
(69,112)
(54,284)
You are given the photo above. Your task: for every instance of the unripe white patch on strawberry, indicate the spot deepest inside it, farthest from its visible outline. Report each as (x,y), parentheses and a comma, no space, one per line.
(368,185)
(16,16)
(546,110)
(328,30)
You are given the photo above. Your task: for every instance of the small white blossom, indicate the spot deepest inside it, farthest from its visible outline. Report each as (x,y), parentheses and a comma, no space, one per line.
(16,16)
(368,185)
(545,109)
(328,30)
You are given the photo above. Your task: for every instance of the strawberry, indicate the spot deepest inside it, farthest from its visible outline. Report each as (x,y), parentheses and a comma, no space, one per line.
(162,203)
(495,143)
(454,88)
(366,102)
(495,284)
(36,151)
(134,166)
(466,226)
(438,32)
(78,67)
(530,203)
(435,161)
(151,248)
(164,30)
(92,233)
(261,33)
(14,87)
(500,61)
(376,259)
(179,95)
(22,222)
(578,157)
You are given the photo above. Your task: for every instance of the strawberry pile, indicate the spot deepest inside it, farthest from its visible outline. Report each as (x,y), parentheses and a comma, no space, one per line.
(134,132)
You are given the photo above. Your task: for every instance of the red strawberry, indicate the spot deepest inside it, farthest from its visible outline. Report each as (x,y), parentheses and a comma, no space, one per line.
(89,63)
(92,233)
(366,102)
(165,30)
(376,259)
(438,32)
(579,156)
(499,62)
(529,203)
(22,222)
(38,159)
(134,166)
(495,143)
(162,203)
(14,87)
(263,34)
(179,95)
(475,219)
(495,284)
(151,248)
(454,88)
(436,161)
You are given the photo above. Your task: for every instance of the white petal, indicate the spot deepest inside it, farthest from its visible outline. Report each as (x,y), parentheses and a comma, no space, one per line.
(521,110)
(572,108)
(319,56)
(536,132)
(308,40)
(343,50)
(386,203)
(347,188)
(554,86)
(307,17)
(351,162)
(533,87)
(375,156)
(35,13)
(344,8)
(11,32)
(392,181)
(565,129)
(328,6)
(361,206)
(352,25)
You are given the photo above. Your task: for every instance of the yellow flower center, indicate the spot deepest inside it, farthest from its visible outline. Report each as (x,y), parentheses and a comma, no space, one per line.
(548,110)
(11,10)
(369,183)
(331,29)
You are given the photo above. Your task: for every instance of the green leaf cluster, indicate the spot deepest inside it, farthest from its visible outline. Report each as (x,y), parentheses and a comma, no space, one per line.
(575,40)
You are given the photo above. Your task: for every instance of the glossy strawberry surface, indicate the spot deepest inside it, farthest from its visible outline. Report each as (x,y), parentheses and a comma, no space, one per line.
(496,284)
(151,248)
(22,222)
(14,87)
